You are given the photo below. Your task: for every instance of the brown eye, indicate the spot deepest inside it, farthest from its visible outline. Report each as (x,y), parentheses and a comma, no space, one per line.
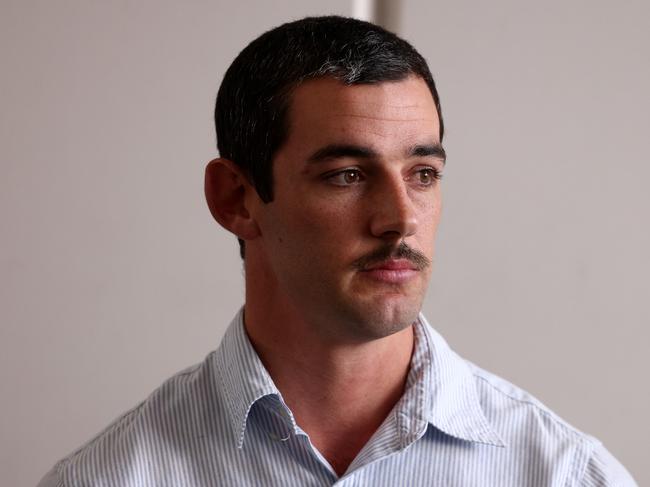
(351,177)
(347,177)
(428,176)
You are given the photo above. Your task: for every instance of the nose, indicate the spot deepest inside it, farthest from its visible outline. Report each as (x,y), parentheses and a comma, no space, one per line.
(393,211)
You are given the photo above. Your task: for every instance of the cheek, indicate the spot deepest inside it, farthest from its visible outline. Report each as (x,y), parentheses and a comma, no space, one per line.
(429,220)
(320,215)
(322,234)
(298,229)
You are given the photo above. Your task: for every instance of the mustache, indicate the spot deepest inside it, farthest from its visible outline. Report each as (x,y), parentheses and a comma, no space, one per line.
(403,251)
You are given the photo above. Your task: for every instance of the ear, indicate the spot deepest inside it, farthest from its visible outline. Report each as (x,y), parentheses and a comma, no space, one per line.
(226,189)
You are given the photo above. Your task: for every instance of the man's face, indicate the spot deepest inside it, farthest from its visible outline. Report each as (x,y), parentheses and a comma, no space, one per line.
(349,235)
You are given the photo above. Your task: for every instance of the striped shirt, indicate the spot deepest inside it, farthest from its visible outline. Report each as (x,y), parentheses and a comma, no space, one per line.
(223,422)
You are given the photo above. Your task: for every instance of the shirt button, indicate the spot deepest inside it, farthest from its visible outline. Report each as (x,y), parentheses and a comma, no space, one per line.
(277,437)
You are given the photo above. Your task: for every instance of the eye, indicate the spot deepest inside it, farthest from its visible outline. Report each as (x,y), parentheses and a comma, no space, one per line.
(427,176)
(347,177)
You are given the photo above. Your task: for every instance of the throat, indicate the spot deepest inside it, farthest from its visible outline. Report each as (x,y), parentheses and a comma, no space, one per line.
(341,421)
(339,393)
(341,446)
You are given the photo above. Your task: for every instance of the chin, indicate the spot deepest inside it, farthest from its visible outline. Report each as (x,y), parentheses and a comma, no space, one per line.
(379,320)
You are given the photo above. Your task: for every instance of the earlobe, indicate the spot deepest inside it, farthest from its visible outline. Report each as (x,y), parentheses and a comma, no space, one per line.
(226,188)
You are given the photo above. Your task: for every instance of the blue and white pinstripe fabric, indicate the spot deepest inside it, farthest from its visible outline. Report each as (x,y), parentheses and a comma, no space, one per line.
(224,423)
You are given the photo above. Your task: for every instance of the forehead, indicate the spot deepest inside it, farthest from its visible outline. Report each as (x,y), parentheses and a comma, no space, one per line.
(325,110)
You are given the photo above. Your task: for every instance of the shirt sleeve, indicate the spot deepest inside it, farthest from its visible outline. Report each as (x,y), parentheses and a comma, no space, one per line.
(603,470)
(51,479)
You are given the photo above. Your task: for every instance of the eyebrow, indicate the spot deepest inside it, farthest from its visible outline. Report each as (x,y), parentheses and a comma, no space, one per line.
(339,151)
(429,150)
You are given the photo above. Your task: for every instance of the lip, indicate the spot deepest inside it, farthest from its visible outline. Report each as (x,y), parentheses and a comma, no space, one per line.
(394,271)
(393,265)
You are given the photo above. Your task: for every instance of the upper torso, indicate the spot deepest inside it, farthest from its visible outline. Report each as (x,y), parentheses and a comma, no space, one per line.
(223,422)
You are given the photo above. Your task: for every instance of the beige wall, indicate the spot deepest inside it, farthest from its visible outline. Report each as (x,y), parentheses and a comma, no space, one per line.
(114,275)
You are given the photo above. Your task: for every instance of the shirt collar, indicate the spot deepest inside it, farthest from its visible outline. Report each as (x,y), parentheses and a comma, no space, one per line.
(448,388)
(244,378)
(440,390)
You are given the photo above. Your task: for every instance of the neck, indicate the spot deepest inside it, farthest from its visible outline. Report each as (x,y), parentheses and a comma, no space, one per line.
(339,392)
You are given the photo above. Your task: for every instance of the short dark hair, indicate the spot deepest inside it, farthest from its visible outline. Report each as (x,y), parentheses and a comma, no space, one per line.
(252,103)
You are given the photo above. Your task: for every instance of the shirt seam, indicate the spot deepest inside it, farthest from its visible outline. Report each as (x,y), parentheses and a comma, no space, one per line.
(549,414)
(90,443)
(125,417)
(579,471)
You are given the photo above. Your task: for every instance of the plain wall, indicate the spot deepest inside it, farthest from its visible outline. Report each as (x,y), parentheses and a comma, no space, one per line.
(114,275)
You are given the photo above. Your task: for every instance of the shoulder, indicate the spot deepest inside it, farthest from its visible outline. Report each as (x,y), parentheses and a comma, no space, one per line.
(511,406)
(528,425)
(604,470)
(132,449)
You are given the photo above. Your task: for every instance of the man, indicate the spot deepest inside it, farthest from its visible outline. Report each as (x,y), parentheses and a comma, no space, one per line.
(330,137)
